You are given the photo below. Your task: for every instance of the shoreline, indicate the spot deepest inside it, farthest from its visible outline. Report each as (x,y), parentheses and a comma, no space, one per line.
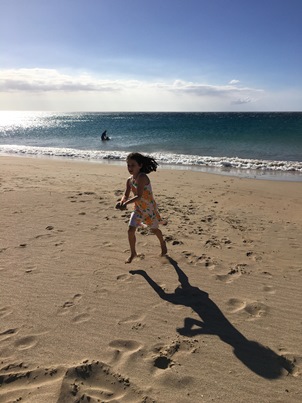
(221,310)
(279,176)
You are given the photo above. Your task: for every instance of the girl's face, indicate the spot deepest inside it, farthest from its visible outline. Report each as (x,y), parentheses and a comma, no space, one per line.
(134,167)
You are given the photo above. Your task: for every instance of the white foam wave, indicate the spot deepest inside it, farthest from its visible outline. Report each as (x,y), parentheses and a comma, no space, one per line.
(162,158)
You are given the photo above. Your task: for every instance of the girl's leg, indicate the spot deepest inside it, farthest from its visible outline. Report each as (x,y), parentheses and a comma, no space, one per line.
(132,242)
(160,237)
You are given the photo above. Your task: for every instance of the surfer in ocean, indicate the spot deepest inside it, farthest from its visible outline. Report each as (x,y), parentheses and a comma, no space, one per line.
(104,136)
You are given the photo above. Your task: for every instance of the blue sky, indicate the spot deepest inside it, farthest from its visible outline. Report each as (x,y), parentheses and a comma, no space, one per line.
(159,55)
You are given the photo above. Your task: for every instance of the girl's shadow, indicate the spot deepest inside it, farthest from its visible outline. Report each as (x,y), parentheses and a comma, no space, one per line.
(261,360)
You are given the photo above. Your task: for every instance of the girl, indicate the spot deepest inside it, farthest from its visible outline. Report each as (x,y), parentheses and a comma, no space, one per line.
(145,209)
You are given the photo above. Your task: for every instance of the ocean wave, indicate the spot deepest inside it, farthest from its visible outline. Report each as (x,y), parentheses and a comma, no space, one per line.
(184,160)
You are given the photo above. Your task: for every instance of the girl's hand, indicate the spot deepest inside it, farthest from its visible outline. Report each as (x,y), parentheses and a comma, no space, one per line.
(120,206)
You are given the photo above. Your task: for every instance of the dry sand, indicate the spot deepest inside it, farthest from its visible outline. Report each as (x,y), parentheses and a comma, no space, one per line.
(217,320)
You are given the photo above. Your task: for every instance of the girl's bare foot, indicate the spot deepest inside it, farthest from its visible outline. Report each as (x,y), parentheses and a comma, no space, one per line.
(130,258)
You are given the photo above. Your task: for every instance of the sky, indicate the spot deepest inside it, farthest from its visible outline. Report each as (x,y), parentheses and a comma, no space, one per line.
(151,55)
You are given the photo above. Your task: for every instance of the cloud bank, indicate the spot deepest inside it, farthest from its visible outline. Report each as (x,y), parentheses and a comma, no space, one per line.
(37,80)
(28,89)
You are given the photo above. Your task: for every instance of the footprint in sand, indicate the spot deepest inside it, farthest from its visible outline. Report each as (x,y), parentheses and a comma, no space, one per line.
(136,321)
(96,381)
(42,236)
(125,350)
(89,193)
(227,278)
(73,199)
(267,274)
(203,259)
(161,355)
(269,289)
(207,261)
(235,305)
(124,277)
(292,363)
(254,309)
(65,308)
(132,318)
(108,244)
(8,334)
(83,317)
(234,273)
(30,269)
(213,242)
(26,342)
(253,256)
(189,256)
(171,238)
(61,243)
(125,345)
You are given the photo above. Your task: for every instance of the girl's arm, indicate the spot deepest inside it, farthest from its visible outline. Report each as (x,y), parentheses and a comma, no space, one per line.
(142,181)
(126,193)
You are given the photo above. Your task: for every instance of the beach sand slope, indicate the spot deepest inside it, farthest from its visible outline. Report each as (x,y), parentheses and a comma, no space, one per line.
(216,320)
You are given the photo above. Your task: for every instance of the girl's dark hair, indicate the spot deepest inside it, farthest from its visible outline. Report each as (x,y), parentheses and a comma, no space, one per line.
(148,163)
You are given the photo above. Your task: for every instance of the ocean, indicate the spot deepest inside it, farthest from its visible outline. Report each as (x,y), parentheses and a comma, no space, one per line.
(261,145)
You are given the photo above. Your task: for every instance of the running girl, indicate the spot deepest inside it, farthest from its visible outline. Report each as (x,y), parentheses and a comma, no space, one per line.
(145,210)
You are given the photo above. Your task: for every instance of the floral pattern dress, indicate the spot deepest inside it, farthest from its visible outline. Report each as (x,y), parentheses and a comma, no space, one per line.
(145,210)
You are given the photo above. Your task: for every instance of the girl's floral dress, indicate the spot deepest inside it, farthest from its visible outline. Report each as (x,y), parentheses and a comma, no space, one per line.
(145,210)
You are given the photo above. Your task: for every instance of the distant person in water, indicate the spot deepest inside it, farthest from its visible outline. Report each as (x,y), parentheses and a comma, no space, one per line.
(104,136)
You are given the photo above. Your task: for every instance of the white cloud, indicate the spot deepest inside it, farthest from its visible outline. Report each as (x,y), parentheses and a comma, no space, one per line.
(241,101)
(43,80)
(232,82)
(214,90)
(50,89)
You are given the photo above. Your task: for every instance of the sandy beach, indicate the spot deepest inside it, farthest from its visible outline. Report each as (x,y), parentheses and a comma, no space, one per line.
(216,320)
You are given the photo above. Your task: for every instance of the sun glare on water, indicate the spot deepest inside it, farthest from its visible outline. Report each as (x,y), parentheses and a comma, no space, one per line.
(24,119)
